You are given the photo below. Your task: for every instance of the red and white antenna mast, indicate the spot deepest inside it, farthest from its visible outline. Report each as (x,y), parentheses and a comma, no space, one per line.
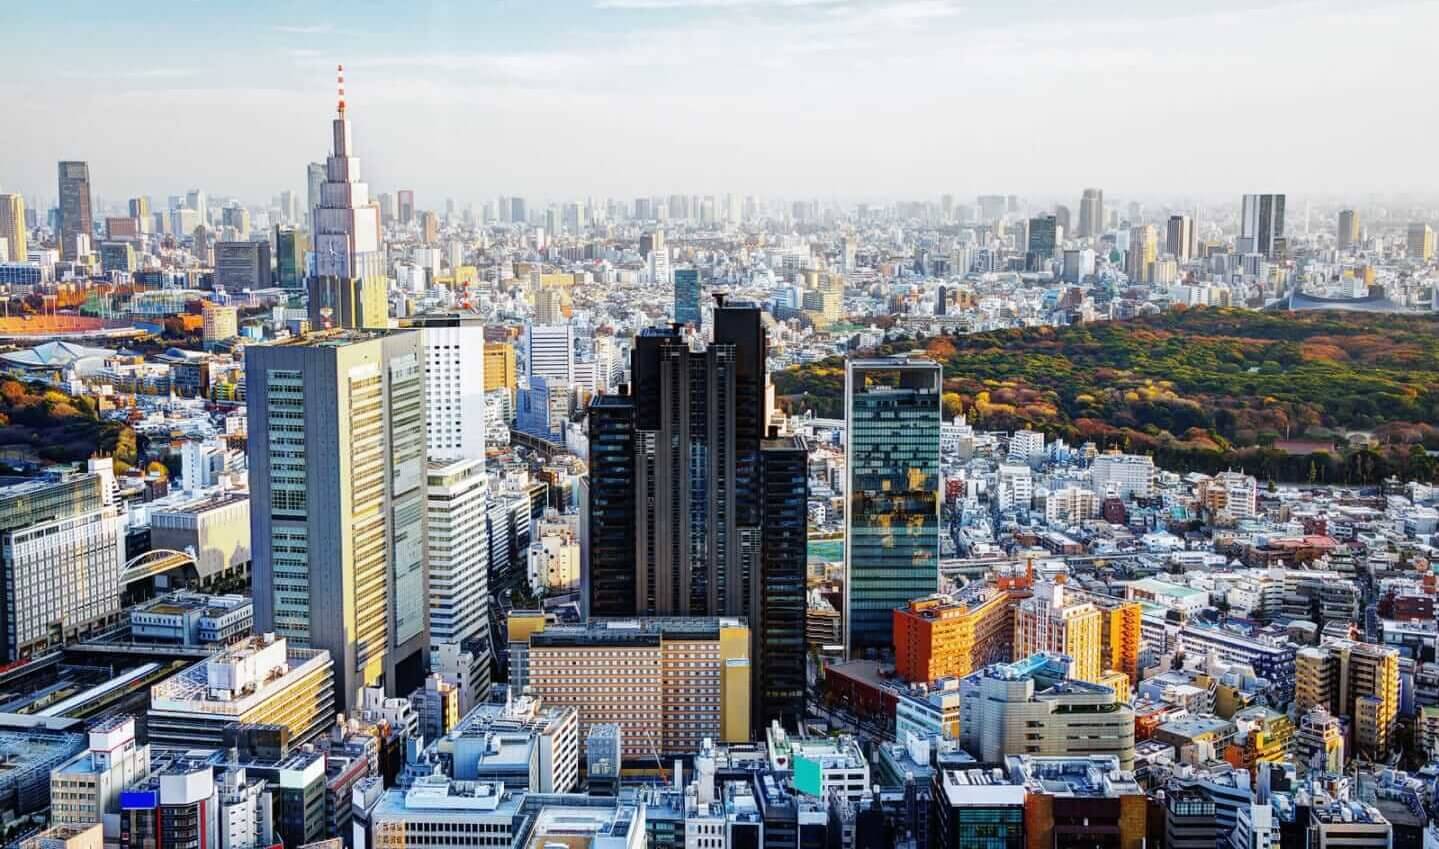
(340,88)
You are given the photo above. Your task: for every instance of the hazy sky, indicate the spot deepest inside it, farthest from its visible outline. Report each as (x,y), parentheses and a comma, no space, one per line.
(826,98)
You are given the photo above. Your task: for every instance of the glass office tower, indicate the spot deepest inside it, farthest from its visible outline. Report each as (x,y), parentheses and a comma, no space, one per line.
(891,552)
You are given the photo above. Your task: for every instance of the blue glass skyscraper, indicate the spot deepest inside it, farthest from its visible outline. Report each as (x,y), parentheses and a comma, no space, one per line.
(891,551)
(687,296)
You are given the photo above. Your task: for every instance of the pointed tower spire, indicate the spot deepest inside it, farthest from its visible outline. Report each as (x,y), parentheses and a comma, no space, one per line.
(340,89)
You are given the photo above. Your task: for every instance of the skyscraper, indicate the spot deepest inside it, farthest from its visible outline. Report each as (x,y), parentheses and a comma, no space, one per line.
(12,226)
(891,552)
(291,245)
(314,179)
(1143,251)
(550,352)
(693,508)
(337,471)
(76,216)
(687,296)
(1420,240)
(1261,226)
(611,508)
(1348,235)
(242,265)
(1179,238)
(347,283)
(1091,214)
(454,385)
(405,200)
(459,553)
(1043,240)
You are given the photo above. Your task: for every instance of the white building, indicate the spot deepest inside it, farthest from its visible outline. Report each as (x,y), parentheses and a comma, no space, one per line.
(246,811)
(1026,447)
(841,762)
(1015,485)
(1070,505)
(438,812)
(454,386)
(86,789)
(456,500)
(550,352)
(1124,476)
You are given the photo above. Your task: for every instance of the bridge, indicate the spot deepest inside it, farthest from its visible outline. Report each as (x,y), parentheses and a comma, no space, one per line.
(155,562)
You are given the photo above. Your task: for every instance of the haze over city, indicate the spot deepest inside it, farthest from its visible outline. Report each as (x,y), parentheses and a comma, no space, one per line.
(825,98)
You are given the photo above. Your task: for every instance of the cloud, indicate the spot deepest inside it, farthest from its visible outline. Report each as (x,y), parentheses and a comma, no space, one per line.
(711,4)
(312,29)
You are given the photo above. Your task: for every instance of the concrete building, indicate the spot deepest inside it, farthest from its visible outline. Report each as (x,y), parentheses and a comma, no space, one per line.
(668,683)
(456,499)
(1032,707)
(219,323)
(85,790)
(550,352)
(337,452)
(1070,800)
(436,811)
(1053,621)
(1355,680)
(260,680)
(176,807)
(941,636)
(192,619)
(455,384)
(521,743)
(1123,476)
(214,529)
(62,546)
(241,266)
(67,837)
(820,765)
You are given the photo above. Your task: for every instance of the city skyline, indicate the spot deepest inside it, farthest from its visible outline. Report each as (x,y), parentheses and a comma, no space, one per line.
(807,97)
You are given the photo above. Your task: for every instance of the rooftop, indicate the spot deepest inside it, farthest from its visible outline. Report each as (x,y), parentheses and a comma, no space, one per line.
(1095,776)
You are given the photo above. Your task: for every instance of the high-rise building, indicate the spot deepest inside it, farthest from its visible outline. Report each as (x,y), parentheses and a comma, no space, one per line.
(777,615)
(500,369)
(77,218)
(337,459)
(1049,621)
(348,283)
(219,323)
(550,352)
(314,181)
(1261,226)
(687,295)
(693,508)
(1356,680)
(611,509)
(12,226)
(944,636)
(1420,240)
(62,549)
(1143,251)
(117,256)
(549,306)
(291,245)
(518,212)
(1043,242)
(891,552)
(405,200)
(1348,236)
(429,228)
(454,385)
(242,265)
(1091,214)
(668,683)
(1179,241)
(456,502)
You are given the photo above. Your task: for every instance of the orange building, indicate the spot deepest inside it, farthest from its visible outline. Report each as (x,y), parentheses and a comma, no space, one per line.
(942,636)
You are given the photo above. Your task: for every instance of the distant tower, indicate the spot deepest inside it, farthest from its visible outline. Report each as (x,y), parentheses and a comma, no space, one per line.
(1091,213)
(77,218)
(347,282)
(1348,235)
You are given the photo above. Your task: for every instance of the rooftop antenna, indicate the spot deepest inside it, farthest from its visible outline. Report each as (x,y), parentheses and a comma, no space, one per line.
(340,88)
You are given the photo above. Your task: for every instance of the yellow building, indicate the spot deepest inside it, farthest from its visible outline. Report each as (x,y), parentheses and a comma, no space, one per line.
(219,323)
(12,226)
(669,683)
(500,369)
(1264,736)
(1050,621)
(1116,681)
(1357,680)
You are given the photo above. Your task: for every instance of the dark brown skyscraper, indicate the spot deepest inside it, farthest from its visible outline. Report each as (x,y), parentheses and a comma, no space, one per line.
(76,216)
